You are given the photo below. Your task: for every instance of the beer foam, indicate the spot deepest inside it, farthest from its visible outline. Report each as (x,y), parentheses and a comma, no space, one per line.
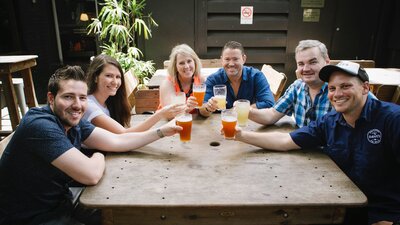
(184,118)
(229,118)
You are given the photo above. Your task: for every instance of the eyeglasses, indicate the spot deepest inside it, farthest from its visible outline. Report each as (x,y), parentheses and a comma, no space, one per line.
(310,113)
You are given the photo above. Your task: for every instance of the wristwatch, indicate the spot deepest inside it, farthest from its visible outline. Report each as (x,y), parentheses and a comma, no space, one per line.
(160,133)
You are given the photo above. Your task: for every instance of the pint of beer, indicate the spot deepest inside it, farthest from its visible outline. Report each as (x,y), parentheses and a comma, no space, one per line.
(220,96)
(229,120)
(185,121)
(242,108)
(199,90)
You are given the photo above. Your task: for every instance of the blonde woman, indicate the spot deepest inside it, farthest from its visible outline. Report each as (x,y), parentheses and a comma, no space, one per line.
(183,71)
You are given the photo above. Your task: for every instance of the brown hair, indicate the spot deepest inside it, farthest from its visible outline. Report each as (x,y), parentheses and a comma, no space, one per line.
(233,45)
(64,73)
(118,104)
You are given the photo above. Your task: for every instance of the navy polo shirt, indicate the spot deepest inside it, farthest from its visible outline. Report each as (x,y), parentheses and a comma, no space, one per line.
(253,87)
(369,153)
(29,184)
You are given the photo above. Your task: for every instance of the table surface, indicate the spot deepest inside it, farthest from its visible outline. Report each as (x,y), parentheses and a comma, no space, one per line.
(169,173)
(16,58)
(386,76)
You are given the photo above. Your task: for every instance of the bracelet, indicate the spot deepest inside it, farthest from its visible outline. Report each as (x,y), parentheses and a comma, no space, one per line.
(160,133)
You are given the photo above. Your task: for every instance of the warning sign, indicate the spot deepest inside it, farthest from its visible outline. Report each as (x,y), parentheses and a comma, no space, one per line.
(246,15)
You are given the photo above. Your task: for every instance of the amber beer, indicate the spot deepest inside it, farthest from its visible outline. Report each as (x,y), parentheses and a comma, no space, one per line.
(199,90)
(229,120)
(185,121)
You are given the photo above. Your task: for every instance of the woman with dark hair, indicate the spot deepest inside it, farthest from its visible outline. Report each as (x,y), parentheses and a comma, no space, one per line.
(108,105)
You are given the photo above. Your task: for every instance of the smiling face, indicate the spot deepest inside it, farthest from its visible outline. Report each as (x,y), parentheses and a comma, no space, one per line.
(109,80)
(185,66)
(233,61)
(309,63)
(70,102)
(347,94)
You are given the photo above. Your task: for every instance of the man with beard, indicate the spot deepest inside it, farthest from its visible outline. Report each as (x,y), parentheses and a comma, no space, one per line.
(43,157)
(361,135)
(242,82)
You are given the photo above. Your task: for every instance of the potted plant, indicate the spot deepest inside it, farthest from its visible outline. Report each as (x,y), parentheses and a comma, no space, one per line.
(119,24)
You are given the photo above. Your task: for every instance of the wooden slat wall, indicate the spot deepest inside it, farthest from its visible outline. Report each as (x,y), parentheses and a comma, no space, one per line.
(265,40)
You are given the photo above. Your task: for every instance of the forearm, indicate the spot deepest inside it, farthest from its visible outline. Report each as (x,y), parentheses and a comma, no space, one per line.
(265,116)
(130,141)
(147,124)
(272,141)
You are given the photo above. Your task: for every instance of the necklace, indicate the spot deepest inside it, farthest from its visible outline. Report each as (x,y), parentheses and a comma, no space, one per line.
(191,87)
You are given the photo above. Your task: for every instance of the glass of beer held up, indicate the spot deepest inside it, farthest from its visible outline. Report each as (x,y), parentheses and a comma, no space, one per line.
(220,96)
(185,121)
(242,107)
(199,90)
(229,120)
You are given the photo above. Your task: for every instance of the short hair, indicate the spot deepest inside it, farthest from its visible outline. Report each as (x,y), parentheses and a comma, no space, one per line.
(233,45)
(64,73)
(185,50)
(118,105)
(306,44)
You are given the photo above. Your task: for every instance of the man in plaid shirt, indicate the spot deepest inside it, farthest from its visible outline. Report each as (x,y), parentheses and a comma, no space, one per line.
(306,97)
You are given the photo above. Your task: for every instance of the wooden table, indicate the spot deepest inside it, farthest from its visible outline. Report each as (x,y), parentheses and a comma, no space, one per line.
(161,74)
(215,181)
(8,66)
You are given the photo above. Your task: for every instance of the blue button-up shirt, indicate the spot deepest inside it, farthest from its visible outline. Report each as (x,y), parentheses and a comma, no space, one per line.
(253,87)
(369,153)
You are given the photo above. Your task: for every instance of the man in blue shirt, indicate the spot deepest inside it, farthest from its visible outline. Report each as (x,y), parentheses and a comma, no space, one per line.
(43,156)
(361,135)
(306,98)
(242,82)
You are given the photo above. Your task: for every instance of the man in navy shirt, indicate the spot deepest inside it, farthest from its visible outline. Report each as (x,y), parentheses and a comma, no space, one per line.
(242,82)
(43,157)
(361,136)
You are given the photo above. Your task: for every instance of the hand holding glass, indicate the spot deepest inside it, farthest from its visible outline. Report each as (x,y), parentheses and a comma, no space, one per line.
(229,120)
(242,108)
(185,121)
(220,96)
(199,90)
(179,98)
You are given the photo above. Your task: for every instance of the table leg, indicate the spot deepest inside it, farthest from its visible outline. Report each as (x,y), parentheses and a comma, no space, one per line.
(11,99)
(29,88)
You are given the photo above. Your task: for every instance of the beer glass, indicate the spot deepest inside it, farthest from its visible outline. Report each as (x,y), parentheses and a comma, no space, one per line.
(179,98)
(220,96)
(229,120)
(199,90)
(242,108)
(185,121)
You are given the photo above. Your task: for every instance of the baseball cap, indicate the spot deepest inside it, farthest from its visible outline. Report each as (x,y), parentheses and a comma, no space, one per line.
(350,68)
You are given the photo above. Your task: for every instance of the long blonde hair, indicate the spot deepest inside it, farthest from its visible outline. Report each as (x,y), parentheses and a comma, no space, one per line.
(185,50)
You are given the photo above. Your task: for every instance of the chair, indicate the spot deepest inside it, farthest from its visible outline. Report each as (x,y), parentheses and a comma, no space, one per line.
(396,96)
(275,79)
(131,83)
(385,92)
(205,63)
(365,63)
(18,84)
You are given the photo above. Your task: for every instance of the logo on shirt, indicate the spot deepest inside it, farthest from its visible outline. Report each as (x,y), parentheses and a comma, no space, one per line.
(374,136)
